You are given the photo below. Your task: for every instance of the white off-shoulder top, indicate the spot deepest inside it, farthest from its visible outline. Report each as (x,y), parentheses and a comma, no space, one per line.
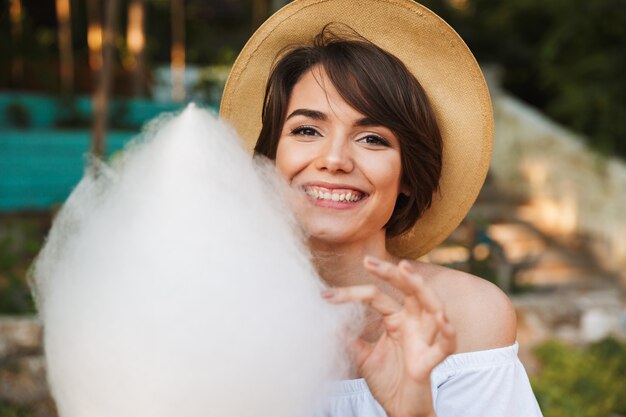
(487,383)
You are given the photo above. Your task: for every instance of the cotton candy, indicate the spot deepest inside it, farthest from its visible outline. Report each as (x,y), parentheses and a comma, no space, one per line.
(175,282)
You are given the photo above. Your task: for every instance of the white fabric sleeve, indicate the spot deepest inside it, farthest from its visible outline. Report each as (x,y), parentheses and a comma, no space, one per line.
(488,383)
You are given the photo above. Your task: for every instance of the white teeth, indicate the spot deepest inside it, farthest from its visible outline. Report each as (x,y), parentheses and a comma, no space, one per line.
(325,195)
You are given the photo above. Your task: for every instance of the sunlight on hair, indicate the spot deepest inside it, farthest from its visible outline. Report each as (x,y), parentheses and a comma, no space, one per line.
(173,283)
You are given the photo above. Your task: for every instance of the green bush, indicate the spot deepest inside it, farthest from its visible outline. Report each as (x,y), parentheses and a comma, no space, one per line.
(20,241)
(581,382)
(7,410)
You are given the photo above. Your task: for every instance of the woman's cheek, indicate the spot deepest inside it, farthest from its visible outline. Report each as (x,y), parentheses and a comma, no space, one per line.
(291,159)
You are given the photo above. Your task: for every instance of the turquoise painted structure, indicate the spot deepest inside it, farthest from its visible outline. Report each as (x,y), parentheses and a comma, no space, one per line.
(46,112)
(39,168)
(42,163)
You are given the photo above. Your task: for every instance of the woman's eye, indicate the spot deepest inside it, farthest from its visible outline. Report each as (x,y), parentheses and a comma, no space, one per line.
(305,131)
(374,140)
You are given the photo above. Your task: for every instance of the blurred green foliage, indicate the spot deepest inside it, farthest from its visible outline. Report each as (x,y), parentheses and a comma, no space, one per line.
(582,382)
(12,411)
(566,57)
(20,241)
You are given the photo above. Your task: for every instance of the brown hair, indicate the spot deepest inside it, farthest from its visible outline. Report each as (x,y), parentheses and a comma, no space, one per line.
(377,84)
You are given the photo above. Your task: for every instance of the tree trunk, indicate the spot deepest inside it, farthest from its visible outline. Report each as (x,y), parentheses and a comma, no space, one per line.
(101,96)
(66,55)
(178,50)
(260,12)
(136,41)
(17,62)
(94,38)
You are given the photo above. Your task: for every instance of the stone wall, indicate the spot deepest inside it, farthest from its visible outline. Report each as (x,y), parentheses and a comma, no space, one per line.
(576,199)
(571,191)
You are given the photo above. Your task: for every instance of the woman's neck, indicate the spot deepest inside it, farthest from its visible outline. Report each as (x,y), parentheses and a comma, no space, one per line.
(341,264)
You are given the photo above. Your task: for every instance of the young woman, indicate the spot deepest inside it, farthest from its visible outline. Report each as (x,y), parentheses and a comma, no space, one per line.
(385,155)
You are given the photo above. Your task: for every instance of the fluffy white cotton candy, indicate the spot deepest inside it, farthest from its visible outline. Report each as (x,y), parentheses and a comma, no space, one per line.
(173,284)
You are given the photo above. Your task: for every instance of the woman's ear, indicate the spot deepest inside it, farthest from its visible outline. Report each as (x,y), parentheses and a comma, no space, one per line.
(404,189)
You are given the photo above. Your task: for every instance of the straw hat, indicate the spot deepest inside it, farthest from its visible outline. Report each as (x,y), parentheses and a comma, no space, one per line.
(436,56)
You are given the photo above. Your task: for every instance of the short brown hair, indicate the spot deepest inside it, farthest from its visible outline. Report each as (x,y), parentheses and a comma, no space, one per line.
(378,85)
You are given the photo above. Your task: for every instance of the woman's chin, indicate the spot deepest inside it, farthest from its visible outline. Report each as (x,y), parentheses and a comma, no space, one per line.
(328,235)
(335,233)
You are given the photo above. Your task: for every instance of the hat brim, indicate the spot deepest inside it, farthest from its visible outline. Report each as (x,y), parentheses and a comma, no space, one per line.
(431,50)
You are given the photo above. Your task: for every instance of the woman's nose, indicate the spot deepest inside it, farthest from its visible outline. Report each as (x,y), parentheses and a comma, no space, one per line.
(335,156)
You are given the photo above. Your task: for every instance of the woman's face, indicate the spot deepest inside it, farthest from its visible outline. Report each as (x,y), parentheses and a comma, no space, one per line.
(344,168)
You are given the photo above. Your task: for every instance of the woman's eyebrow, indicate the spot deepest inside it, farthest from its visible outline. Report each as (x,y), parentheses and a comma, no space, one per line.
(313,114)
(366,121)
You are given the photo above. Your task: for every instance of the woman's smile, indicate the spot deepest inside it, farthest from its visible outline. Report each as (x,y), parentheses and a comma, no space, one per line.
(337,196)
(345,168)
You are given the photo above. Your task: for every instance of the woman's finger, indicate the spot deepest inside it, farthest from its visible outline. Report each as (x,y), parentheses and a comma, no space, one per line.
(369,294)
(435,353)
(445,344)
(387,272)
(391,273)
(425,296)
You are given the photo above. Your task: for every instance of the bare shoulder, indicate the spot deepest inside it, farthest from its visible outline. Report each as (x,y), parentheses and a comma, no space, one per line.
(481,313)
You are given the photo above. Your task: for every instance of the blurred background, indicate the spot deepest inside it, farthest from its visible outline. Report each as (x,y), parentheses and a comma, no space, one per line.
(83,76)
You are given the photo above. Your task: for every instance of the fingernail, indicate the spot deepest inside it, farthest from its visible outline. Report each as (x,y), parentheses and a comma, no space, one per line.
(372,262)
(329,293)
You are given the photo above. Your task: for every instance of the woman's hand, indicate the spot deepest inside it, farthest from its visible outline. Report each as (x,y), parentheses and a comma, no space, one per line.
(417,337)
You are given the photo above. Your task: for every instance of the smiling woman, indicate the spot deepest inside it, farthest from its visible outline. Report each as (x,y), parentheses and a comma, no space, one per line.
(378,117)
